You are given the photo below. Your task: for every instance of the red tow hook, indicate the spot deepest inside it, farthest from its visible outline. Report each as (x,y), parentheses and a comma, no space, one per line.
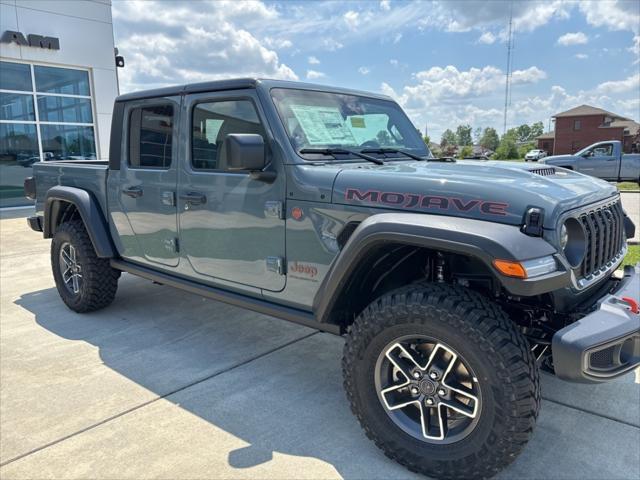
(632,304)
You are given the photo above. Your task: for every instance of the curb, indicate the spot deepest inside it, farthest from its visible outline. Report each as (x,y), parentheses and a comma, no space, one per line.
(629,191)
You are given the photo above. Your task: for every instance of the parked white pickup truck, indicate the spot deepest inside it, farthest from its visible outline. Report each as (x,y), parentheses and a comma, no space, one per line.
(603,160)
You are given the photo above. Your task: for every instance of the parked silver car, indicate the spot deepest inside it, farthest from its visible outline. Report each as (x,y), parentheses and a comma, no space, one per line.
(534,155)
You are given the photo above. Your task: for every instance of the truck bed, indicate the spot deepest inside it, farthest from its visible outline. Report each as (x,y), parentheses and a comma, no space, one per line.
(90,175)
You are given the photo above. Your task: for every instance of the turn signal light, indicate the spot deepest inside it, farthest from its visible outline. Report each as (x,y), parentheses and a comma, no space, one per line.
(510,269)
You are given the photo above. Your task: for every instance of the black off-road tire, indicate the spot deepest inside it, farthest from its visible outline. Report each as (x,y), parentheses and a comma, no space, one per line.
(99,280)
(498,353)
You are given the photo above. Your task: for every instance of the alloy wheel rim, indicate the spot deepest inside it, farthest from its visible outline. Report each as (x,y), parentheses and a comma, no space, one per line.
(70,268)
(428,389)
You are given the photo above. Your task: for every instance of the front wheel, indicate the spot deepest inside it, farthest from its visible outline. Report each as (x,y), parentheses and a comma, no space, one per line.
(442,381)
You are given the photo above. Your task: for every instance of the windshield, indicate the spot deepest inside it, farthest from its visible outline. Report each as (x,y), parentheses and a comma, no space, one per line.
(316,120)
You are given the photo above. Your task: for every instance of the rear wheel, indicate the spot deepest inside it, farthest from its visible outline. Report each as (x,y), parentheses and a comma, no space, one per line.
(442,381)
(84,281)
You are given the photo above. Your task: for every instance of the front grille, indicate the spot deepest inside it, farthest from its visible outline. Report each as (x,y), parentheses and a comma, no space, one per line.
(604,230)
(545,172)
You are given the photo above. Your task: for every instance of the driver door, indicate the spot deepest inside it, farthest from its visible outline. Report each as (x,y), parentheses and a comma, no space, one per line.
(599,161)
(232,226)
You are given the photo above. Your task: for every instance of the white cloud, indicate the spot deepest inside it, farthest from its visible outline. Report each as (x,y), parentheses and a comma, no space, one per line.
(393,62)
(364,70)
(397,37)
(280,43)
(439,83)
(487,38)
(573,38)
(635,49)
(331,44)
(314,74)
(163,43)
(614,15)
(631,83)
(313,60)
(581,56)
(352,19)
(385,5)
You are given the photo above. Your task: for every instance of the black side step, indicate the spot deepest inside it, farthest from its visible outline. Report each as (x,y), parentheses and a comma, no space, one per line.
(243,301)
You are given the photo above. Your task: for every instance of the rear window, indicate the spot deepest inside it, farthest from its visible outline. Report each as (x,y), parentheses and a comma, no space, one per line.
(151,137)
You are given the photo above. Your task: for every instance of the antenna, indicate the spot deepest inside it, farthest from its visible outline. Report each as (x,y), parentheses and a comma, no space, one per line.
(507,87)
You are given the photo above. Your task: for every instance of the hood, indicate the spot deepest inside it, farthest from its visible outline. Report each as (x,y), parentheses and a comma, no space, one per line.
(495,191)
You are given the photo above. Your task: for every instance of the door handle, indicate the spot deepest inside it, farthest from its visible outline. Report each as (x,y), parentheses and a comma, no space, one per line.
(133,192)
(194,198)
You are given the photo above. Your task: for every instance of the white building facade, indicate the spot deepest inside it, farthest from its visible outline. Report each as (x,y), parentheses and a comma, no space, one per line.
(58,81)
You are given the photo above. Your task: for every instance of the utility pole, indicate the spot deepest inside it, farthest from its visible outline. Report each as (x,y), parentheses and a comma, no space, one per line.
(507,87)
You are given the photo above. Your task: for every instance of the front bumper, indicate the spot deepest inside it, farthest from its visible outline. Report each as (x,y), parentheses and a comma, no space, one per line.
(604,344)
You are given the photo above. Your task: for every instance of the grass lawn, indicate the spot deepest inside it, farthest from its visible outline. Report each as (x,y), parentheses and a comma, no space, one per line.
(628,186)
(633,255)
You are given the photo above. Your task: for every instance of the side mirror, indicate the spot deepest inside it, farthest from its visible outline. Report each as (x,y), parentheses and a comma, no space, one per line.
(245,151)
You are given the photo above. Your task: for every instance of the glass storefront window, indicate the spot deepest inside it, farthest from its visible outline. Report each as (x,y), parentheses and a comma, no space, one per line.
(18,151)
(64,109)
(68,142)
(46,113)
(16,106)
(61,80)
(15,76)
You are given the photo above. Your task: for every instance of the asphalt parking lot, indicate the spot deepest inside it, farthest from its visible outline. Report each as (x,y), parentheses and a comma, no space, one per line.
(164,384)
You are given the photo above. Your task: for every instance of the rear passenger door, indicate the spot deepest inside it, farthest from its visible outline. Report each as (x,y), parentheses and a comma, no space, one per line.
(146,191)
(231,224)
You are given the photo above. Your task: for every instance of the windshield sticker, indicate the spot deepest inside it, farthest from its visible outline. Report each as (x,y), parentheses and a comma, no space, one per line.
(323,125)
(358,122)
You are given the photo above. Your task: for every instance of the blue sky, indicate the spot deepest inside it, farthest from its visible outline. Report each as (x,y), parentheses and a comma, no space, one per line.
(444,62)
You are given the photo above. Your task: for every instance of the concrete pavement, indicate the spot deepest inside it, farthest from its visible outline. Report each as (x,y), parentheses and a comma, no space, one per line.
(170,385)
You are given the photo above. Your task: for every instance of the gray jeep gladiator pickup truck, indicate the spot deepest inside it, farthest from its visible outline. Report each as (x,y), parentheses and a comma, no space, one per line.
(454,282)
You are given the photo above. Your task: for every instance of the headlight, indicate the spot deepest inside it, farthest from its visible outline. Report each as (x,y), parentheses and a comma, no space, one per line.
(564,236)
(573,241)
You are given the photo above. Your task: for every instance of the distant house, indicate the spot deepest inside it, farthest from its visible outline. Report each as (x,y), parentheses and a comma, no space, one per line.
(581,126)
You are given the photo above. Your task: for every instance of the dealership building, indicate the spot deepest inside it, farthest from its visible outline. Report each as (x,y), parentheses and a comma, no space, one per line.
(58,80)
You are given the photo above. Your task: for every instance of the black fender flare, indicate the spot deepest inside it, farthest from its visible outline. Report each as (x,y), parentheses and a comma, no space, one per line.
(89,211)
(484,240)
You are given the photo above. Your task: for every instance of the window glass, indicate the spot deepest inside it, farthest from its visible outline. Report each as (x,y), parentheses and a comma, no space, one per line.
(151,136)
(68,142)
(603,150)
(576,124)
(64,109)
(328,119)
(212,122)
(16,106)
(61,80)
(19,144)
(15,76)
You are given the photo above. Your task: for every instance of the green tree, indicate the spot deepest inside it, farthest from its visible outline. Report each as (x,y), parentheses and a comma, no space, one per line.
(427,140)
(537,129)
(507,150)
(523,149)
(490,139)
(465,151)
(523,133)
(448,138)
(463,135)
